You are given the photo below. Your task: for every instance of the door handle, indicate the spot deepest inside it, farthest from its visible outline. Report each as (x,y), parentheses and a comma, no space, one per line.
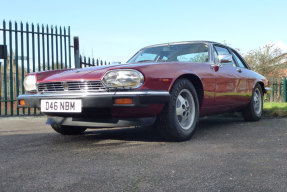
(239,70)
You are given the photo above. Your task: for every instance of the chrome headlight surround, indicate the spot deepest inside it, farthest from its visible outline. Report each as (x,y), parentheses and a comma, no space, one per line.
(30,82)
(123,79)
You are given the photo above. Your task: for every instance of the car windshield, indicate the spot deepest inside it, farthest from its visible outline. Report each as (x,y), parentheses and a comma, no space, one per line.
(192,52)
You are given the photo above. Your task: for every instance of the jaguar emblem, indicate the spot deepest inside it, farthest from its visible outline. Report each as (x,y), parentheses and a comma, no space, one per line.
(65,86)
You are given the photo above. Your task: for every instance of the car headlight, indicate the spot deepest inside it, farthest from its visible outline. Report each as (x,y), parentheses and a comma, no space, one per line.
(30,83)
(123,79)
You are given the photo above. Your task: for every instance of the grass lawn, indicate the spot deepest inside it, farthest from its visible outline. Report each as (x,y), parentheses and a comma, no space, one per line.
(280,106)
(275,109)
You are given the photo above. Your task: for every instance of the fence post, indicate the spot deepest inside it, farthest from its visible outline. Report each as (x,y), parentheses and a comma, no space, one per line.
(0,87)
(273,89)
(284,89)
(77,52)
(5,69)
(276,90)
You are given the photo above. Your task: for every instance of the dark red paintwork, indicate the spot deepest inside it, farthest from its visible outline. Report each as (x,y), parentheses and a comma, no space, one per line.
(224,88)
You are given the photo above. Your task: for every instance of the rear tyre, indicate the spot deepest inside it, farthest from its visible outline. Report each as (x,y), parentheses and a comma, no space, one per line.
(178,120)
(255,108)
(68,130)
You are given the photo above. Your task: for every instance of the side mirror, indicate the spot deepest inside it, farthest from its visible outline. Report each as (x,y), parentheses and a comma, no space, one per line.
(225,58)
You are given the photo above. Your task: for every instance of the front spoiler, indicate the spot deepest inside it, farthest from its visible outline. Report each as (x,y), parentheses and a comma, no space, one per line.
(100,122)
(100,99)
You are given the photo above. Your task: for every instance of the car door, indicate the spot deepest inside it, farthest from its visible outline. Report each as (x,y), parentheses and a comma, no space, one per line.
(226,81)
(245,82)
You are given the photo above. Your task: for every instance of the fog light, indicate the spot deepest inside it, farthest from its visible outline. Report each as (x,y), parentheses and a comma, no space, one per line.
(22,102)
(123,101)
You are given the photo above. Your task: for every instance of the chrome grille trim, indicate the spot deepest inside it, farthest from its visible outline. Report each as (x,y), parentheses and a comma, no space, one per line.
(96,86)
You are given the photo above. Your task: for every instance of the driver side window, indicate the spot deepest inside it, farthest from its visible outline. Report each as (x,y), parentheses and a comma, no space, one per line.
(238,60)
(146,57)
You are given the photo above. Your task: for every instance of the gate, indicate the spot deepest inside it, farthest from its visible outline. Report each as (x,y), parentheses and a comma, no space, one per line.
(279,90)
(91,62)
(25,49)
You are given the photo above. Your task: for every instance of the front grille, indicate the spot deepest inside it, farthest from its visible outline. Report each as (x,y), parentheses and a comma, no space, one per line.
(96,86)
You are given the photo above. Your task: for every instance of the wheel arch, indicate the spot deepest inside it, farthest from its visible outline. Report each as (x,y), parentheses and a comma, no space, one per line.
(195,80)
(262,86)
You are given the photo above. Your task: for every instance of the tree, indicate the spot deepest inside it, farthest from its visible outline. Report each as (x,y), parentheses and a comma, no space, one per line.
(266,60)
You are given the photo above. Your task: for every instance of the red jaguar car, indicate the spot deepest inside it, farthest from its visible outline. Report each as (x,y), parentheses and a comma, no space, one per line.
(169,85)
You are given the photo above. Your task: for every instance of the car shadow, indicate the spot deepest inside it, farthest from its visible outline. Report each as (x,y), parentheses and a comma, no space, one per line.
(147,134)
(127,134)
(209,128)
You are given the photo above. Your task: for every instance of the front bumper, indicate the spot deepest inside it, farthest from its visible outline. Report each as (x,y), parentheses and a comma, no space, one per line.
(100,99)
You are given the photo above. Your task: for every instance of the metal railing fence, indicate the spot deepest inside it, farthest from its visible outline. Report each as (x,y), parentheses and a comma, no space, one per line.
(279,90)
(91,62)
(29,48)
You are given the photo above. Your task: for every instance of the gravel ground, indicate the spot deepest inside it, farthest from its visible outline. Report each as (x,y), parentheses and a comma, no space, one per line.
(225,154)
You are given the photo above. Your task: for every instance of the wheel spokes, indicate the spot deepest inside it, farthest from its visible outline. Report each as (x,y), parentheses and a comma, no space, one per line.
(184,111)
(180,105)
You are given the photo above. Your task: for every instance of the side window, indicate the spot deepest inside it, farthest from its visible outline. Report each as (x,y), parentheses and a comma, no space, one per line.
(194,57)
(223,51)
(198,53)
(146,57)
(238,60)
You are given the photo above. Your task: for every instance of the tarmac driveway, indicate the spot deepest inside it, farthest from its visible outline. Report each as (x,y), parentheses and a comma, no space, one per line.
(225,154)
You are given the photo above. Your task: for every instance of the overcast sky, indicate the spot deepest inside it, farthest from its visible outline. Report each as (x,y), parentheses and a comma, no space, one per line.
(115,29)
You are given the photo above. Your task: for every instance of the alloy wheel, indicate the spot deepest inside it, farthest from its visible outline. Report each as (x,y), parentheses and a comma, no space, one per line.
(185,109)
(257,102)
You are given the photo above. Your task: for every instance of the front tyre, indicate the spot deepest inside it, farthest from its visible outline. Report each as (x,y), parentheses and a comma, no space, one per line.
(68,130)
(178,120)
(255,108)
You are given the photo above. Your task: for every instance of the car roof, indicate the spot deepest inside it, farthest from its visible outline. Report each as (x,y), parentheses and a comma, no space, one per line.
(185,42)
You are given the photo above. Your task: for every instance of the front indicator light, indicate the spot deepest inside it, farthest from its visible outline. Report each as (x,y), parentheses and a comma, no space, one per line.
(165,80)
(123,101)
(22,102)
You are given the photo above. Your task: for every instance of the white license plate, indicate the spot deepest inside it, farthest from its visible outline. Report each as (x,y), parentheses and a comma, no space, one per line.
(62,105)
